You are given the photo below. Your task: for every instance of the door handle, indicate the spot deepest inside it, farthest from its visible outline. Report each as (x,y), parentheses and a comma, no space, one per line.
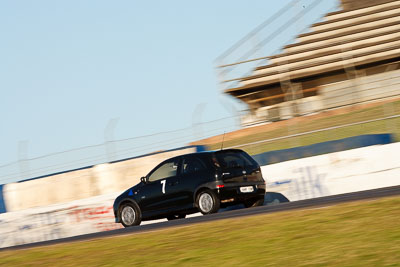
(173,183)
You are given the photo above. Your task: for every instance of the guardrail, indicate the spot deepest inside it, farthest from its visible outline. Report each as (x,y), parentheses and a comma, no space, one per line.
(112,150)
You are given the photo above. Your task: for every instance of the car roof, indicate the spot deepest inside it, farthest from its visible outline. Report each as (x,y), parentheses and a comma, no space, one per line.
(212,152)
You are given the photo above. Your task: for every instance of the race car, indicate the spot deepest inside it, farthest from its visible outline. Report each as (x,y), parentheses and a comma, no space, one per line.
(197,182)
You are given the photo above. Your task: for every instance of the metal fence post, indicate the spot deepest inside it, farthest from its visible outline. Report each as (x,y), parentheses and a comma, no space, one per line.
(109,139)
(23,161)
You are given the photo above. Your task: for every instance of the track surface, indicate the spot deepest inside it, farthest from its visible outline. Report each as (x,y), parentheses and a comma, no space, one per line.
(315,202)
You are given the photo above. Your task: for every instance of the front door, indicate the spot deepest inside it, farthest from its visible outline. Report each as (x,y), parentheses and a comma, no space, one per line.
(156,193)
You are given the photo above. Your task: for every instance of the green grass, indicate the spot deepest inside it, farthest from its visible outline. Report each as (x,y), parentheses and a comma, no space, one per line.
(290,128)
(350,234)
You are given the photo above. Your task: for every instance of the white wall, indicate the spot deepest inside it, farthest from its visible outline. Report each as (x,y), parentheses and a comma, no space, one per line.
(335,173)
(58,221)
(98,180)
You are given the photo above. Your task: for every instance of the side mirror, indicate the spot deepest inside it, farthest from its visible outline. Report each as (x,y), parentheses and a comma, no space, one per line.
(143,179)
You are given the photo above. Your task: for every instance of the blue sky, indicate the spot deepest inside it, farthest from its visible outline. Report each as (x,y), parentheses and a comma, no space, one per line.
(68,67)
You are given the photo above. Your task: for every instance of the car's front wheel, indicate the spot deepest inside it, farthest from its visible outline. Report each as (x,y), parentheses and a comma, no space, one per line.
(130,214)
(207,202)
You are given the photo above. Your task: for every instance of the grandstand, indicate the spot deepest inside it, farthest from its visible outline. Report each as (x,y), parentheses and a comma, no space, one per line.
(350,57)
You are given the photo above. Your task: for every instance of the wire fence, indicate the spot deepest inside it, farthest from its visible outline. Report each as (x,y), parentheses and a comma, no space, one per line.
(383,118)
(300,131)
(288,21)
(113,150)
(326,126)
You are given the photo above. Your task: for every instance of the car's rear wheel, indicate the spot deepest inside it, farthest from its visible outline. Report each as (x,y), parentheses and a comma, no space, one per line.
(254,203)
(130,214)
(207,202)
(176,216)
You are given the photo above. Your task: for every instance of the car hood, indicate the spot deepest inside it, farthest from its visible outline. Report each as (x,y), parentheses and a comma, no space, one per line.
(129,190)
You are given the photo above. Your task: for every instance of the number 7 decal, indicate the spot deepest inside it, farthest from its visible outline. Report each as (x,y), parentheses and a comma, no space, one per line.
(163,186)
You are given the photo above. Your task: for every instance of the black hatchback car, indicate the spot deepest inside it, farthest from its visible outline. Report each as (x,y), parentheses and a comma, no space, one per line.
(204,181)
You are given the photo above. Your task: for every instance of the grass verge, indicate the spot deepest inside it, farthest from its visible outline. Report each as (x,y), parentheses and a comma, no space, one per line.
(350,234)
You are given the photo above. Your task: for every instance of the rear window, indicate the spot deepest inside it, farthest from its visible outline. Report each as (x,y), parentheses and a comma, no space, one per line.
(232,159)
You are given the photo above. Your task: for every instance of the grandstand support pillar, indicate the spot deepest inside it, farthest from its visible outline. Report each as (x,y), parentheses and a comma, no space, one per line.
(292,92)
(297,91)
(286,85)
(351,72)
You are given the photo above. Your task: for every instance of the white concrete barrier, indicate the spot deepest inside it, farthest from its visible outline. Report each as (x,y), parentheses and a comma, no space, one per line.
(85,183)
(58,221)
(335,173)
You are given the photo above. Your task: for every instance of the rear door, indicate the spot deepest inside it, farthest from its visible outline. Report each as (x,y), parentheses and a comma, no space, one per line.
(194,172)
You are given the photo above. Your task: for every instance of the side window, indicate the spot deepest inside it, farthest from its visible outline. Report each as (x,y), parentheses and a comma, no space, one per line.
(191,165)
(168,169)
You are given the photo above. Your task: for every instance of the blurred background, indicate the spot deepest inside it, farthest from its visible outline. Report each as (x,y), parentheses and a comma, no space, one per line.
(311,78)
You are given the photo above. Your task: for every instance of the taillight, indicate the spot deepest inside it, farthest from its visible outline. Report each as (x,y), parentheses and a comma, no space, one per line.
(220,186)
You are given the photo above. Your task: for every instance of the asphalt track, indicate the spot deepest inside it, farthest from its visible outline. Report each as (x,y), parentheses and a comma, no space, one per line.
(302,204)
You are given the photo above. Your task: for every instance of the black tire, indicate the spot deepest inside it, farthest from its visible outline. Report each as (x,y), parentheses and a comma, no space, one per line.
(254,203)
(207,202)
(176,216)
(130,214)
